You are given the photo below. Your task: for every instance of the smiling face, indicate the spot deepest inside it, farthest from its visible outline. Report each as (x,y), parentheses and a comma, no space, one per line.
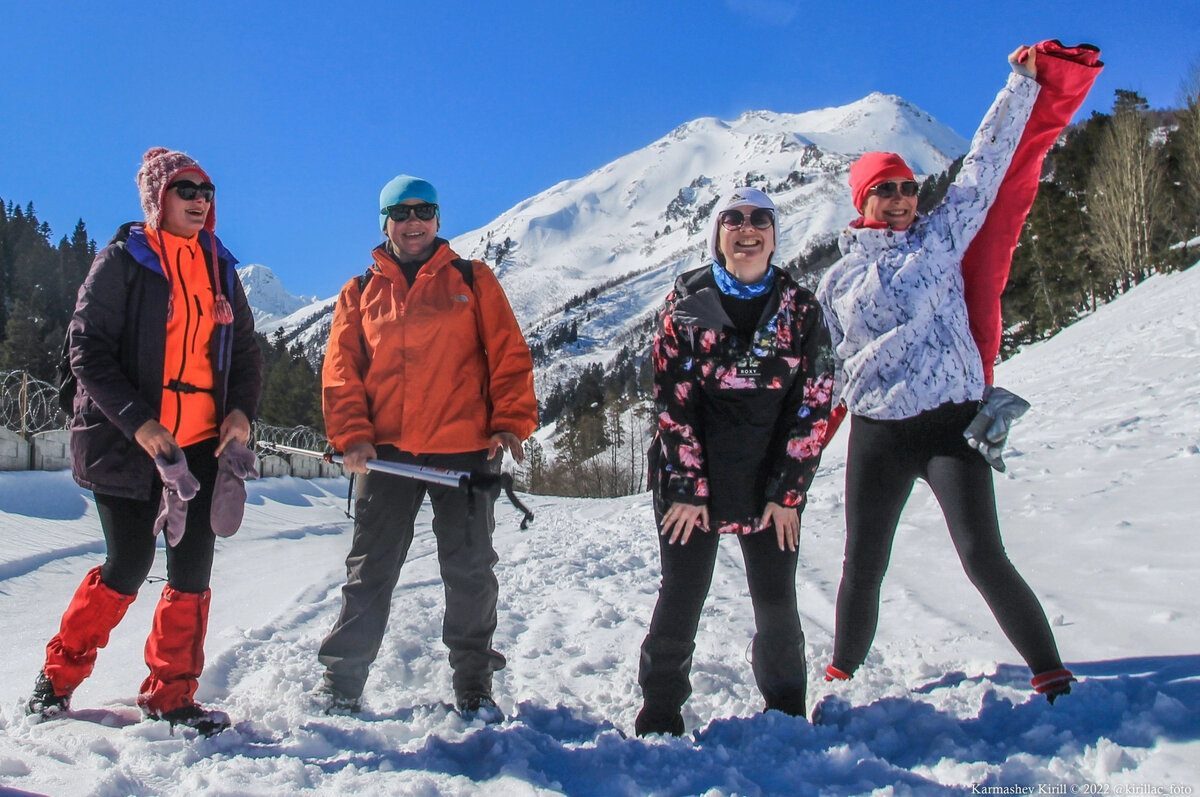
(184,217)
(897,211)
(747,249)
(413,239)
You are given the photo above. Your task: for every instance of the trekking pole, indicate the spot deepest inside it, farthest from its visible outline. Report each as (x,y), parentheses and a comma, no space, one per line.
(470,482)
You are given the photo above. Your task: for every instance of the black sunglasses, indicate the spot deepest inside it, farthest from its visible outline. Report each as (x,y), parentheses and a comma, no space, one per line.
(188,190)
(887,190)
(424,211)
(760,219)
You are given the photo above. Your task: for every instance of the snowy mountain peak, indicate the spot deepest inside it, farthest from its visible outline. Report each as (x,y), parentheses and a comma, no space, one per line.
(269,300)
(597,254)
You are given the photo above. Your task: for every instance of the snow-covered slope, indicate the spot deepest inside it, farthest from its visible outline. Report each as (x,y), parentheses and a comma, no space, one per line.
(1099,510)
(600,252)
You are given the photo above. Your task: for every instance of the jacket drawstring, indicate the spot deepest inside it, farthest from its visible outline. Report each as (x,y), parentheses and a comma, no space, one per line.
(222,311)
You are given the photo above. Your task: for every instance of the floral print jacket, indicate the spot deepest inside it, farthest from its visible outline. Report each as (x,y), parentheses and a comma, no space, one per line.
(740,421)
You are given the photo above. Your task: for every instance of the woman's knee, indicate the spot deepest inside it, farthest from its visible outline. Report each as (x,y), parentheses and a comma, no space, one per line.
(125,576)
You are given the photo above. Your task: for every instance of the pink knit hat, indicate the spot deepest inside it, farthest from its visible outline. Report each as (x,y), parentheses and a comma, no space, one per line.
(872,169)
(160,167)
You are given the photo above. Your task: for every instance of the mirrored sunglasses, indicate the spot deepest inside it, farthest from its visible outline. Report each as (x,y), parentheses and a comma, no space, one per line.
(188,190)
(425,211)
(760,219)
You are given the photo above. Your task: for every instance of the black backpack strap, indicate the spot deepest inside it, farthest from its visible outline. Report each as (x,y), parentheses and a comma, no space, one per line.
(467,270)
(364,278)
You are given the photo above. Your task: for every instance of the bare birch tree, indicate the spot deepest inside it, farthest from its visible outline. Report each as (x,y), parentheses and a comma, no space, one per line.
(1126,198)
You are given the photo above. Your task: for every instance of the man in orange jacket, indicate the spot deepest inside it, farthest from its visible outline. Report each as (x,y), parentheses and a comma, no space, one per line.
(426,365)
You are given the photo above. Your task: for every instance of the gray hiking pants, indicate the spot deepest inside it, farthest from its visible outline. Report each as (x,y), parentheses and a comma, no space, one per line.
(385,512)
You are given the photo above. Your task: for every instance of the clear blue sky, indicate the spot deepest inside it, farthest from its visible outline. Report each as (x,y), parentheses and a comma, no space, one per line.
(301,111)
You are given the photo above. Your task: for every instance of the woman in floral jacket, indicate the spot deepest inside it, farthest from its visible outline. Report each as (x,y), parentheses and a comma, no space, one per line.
(742,384)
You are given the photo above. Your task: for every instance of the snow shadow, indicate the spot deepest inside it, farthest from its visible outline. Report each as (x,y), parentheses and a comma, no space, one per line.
(291,491)
(24,493)
(1133,702)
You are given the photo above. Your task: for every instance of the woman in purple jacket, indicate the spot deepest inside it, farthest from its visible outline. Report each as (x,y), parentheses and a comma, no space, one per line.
(169,374)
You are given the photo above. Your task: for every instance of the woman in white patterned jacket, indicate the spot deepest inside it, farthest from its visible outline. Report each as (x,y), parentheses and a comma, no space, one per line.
(912,380)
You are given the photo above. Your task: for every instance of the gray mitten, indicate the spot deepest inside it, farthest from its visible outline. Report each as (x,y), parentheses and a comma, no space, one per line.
(236,464)
(988,432)
(179,487)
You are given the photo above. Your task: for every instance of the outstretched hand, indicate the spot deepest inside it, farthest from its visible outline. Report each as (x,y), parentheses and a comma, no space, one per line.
(1024,60)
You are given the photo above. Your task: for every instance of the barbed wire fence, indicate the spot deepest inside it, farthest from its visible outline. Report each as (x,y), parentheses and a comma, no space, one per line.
(295,436)
(29,405)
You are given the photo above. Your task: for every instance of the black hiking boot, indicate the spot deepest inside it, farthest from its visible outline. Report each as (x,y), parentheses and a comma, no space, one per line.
(652,721)
(479,706)
(207,722)
(44,702)
(335,703)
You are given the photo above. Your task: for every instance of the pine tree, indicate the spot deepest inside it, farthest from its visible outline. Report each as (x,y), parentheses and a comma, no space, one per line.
(1185,142)
(1046,287)
(24,348)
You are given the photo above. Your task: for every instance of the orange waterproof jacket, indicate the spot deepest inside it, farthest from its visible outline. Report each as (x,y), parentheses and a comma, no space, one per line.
(432,369)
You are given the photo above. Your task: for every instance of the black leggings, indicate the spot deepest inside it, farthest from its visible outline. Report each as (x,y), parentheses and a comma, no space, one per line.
(778,648)
(884,461)
(128,526)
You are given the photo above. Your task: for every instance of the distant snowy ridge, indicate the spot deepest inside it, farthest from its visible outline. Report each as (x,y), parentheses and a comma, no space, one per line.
(269,300)
(600,252)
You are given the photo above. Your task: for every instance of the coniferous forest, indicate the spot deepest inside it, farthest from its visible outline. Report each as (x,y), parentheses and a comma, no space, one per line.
(1120,200)
(39,280)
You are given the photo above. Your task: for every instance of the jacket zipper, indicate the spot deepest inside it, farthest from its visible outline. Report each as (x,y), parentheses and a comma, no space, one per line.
(187,325)
(199,316)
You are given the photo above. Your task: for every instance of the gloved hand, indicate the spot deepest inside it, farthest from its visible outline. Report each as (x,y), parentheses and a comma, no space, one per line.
(179,487)
(988,432)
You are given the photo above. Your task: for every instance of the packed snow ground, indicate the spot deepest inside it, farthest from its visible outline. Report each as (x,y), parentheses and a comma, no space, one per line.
(1100,509)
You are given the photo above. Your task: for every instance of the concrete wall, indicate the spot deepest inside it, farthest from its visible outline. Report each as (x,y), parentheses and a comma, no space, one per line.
(14,451)
(51,450)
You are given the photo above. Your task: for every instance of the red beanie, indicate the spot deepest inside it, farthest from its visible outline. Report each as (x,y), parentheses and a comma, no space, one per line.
(872,169)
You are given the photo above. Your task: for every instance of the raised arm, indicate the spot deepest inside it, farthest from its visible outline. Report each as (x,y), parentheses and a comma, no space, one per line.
(974,190)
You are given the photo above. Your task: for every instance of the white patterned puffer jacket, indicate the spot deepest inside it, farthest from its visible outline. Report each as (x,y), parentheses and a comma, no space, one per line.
(894,301)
